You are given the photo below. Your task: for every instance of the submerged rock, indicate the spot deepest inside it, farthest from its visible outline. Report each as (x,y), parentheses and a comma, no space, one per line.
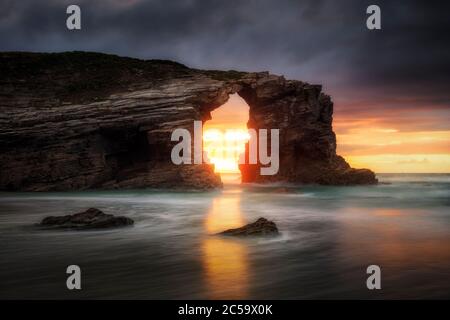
(90,219)
(260,227)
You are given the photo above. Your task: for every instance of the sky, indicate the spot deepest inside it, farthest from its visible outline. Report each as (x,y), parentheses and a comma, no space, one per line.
(390,87)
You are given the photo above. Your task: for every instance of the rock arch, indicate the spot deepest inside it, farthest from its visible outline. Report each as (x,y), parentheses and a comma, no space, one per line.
(303,113)
(109,124)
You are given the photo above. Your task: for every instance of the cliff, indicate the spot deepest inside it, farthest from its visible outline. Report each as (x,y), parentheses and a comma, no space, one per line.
(76,120)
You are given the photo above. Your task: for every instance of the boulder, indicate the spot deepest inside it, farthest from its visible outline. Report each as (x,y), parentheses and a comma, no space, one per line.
(260,227)
(90,219)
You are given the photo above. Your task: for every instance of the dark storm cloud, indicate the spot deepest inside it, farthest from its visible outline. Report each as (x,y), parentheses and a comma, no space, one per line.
(405,65)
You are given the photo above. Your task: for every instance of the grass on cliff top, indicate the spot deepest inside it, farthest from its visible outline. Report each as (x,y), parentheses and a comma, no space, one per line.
(88,76)
(79,76)
(224,75)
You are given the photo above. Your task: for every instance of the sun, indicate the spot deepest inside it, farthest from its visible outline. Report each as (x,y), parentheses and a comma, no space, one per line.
(225,135)
(224,148)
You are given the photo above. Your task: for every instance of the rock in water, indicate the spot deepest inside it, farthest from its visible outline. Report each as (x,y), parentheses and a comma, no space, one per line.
(260,227)
(90,219)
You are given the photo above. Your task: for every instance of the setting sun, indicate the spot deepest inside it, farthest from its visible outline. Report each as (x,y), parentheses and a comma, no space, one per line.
(223,148)
(224,136)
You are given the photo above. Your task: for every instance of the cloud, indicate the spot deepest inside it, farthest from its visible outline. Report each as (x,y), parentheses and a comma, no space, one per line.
(403,67)
(414,161)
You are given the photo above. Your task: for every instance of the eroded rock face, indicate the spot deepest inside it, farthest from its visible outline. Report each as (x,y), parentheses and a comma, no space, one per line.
(90,219)
(307,141)
(261,227)
(72,121)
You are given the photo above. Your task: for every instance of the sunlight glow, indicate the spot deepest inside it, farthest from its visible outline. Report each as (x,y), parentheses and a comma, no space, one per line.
(225,261)
(225,135)
(224,148)
(387,149)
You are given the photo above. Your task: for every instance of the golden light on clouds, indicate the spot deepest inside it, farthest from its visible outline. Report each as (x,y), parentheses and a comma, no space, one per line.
(392,143)
(367,144)
(395,163)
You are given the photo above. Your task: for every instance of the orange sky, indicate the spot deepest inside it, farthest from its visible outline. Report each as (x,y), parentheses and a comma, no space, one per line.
(365,141)
(386,147)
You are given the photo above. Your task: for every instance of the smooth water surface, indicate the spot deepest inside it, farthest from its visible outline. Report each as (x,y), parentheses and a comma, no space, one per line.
(329,235)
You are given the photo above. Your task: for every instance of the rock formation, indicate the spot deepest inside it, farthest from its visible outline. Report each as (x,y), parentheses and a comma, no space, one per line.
(261,227)
(81,120)
(89,219)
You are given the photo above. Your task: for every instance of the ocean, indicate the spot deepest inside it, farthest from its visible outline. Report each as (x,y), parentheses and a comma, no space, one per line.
(329,236)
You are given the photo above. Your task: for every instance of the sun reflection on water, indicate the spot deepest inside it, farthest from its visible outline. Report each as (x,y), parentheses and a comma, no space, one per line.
(225,260)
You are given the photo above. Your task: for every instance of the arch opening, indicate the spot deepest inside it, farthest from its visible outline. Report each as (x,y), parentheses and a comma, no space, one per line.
(225,136)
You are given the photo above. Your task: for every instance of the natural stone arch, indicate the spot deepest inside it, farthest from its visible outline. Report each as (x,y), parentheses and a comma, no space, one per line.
(307,142)
(110,126)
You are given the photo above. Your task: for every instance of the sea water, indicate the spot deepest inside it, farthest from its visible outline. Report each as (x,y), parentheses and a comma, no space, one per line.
(329,236)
